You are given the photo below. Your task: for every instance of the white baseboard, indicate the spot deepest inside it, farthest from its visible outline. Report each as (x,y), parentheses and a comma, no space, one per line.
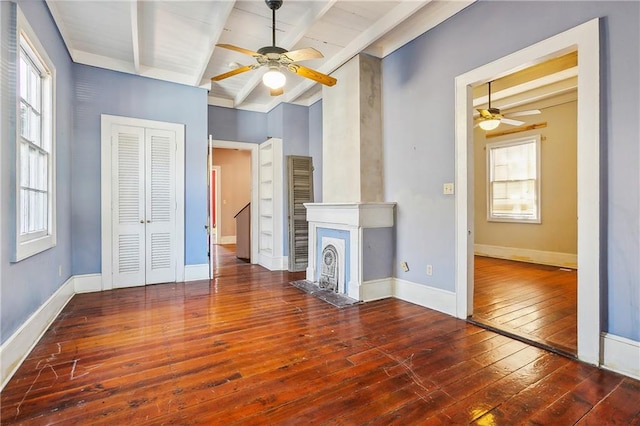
(88,283)
(423,295)
(563,260)
(16,348)
(196,272)
(273,263)
(621,355)
(376,289)
(229,239)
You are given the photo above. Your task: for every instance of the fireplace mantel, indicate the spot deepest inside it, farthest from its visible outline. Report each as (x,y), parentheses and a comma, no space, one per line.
(366,229)
(360,215)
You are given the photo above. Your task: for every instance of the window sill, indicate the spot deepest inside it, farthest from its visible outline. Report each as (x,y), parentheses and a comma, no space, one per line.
(30,248)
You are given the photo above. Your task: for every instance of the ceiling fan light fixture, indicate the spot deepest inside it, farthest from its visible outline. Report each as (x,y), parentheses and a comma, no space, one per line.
(489,124)
(274,79)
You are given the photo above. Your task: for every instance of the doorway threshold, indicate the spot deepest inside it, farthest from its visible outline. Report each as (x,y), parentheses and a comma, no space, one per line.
(524,339)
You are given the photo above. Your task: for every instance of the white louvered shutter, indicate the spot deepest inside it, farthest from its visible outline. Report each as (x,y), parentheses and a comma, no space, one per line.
(300,179)
(160,206)
(128,233)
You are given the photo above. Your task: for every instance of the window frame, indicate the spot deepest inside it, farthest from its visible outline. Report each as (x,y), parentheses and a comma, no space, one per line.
(537,185)
(27,245)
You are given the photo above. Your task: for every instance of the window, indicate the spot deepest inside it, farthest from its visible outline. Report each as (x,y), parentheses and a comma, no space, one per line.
(35,177)
(514,180)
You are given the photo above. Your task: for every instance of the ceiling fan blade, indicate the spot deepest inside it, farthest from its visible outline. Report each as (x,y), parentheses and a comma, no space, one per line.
(523,113)
(511,122)
(239,49)
(276,92)
(232,73)
(303,54)
(312,74)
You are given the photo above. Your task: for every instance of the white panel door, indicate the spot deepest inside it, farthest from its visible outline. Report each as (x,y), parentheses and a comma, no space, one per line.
(144,206)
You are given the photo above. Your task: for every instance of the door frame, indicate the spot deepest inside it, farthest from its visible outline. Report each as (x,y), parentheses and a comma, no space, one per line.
(106,122)
(216,202)
(255,214)
(585,39)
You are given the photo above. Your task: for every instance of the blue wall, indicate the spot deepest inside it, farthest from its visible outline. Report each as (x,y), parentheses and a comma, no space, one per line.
(288,122)
(419,140)
(26,285)
(100,91)
(295,141)
(377,253)
(236,125)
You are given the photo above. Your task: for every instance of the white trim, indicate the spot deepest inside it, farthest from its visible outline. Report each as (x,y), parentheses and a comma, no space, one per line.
(16,348)
(586,39)
(430,297)
(255,213)
(377,289)
(228,239)
(88,283)
(621,355)
(541,257)
(273,263)
(107,121)
(196,272)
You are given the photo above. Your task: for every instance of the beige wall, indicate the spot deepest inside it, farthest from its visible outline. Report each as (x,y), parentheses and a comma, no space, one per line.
(559,227)
(235,185)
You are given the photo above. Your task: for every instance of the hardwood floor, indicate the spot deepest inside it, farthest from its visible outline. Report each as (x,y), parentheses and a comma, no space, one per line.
(536,302)
(249,348)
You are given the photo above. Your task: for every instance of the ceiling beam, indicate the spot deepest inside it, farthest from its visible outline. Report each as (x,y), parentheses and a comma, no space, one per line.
(135,35)
(551,84)
(313,15)
(385,24)
(217,27)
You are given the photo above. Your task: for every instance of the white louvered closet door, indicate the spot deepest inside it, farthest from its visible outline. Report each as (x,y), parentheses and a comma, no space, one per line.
(143,171)
(160,206)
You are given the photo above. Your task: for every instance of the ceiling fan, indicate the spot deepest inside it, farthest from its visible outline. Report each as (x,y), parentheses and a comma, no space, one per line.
(491,118)
(277,58)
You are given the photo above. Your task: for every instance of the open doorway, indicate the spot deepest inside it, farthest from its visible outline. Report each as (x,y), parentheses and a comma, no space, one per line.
(585,39)
(230,195)
(525,206)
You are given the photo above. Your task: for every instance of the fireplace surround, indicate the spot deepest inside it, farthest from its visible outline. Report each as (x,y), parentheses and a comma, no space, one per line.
(361,235)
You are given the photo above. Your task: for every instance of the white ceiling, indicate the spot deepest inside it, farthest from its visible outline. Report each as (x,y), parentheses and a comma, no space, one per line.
(175,40)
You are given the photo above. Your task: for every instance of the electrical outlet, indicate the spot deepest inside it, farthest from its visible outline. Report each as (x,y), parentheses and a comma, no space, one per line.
(429,270)
(404,266)
(447,189)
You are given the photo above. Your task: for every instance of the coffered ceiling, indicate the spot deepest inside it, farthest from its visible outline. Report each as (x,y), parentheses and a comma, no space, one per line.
(175,40)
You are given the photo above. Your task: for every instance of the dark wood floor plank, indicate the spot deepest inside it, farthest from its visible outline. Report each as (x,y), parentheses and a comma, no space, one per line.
(621,405)
(572,406)
(535,302)
(249,348)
